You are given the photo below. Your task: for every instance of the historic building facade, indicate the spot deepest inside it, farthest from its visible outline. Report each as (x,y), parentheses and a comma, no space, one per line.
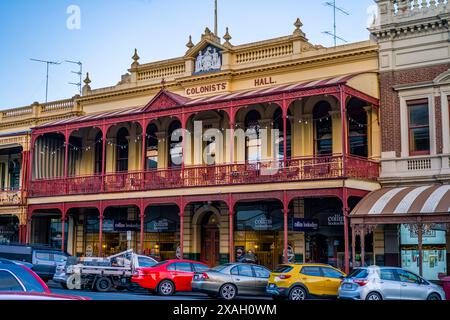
(111,169)
(412,207)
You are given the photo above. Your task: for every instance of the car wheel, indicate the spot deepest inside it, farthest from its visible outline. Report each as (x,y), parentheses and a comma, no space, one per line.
(434,296)
(374,296)
(298,293)
(166,288)
(228,291)
(103,284)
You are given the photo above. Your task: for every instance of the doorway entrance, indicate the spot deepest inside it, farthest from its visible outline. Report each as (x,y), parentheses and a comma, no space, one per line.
(210,240)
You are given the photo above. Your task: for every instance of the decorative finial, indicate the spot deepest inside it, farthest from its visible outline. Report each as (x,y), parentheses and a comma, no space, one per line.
(207,31)
(86,88)
(298,31)
(190,45)
(135,58)
(87,81)
(227,38)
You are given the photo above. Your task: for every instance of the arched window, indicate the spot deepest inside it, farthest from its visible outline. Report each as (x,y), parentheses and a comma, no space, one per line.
(175,146)
(357,128)
(253,138)
(98,153)
(152,148)
(323,130)
(278,124)
(122,150)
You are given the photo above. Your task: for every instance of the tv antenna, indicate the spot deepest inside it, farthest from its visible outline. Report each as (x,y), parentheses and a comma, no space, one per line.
(79,73)
(332,4)
(216,31)
(46,83)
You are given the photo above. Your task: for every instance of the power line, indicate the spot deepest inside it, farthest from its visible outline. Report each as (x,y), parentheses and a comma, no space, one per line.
(48,64)
(332,4)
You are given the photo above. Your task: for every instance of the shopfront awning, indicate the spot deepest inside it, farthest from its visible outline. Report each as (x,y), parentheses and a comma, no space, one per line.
(386,204)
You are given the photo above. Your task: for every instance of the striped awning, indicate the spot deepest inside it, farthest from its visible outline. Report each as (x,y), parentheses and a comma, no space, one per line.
(188,102)
(429,199)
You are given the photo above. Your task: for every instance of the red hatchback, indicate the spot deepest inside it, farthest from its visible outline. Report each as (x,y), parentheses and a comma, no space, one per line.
(168,277)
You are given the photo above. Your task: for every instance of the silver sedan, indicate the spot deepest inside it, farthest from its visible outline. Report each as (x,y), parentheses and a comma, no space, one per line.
(388,283)
(230,280)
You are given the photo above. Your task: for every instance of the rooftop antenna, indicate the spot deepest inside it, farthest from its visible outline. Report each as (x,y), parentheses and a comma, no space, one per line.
(332,4)
(79,73)
(48,64)
(216,31)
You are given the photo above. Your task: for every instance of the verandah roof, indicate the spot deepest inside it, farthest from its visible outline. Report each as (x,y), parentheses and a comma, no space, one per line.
(187,102)
(391,203)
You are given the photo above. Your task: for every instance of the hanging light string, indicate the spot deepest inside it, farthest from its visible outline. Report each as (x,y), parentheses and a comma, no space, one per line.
(139,137)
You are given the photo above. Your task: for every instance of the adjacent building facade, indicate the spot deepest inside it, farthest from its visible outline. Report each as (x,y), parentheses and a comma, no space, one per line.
(412,207)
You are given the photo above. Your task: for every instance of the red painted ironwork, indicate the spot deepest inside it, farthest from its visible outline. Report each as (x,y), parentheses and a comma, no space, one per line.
(296,170)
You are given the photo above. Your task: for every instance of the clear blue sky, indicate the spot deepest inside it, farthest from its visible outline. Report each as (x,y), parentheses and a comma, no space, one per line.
(111,29)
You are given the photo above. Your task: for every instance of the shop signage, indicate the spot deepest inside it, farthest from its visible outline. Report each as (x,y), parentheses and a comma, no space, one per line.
(336,220)
(160,225)
(206,89)
(305,225)
(122,226)
(262,223)
(264,81)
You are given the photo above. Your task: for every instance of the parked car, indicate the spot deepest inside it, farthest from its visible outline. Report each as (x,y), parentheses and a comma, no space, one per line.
(301,281)
(388,283)
(18,282)
(168,277)
(44,260)
(230,280)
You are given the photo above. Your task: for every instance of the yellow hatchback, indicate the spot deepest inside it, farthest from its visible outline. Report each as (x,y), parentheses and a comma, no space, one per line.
(301,281)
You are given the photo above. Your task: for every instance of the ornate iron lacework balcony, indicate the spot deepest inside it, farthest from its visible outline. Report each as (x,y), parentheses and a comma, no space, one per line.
(10,197)
(296,170)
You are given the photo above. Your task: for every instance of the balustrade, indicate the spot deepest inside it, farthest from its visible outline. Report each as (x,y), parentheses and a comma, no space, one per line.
(301,169)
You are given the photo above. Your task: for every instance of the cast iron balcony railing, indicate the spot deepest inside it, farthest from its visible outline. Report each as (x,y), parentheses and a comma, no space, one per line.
(295,170)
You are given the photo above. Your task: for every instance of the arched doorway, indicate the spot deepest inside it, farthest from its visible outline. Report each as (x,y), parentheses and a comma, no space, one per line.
(210,239)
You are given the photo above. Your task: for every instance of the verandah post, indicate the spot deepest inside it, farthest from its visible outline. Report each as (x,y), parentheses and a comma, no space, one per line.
(343,107)
(231,227)
(345,211)
(286,231)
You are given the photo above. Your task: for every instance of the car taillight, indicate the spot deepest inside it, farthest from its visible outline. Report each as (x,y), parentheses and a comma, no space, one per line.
(138,273)
(361,283)
(205,276)
(285,276)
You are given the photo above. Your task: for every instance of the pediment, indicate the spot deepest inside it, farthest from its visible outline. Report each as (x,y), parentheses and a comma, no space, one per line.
(443,77)
(165,100)
(195,50)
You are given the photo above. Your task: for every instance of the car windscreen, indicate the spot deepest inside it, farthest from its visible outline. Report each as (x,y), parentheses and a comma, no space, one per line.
(358,274)
(282,269)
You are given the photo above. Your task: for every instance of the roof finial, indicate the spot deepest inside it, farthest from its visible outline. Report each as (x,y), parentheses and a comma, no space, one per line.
(190,44)
(298,31)
(86,88)
(227,38)
(135,58)
(87,81)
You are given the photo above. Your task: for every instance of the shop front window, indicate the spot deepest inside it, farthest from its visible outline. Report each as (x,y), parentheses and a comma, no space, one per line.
(9,229)
(259,233)
(121,228)
(434,254)
(161,227)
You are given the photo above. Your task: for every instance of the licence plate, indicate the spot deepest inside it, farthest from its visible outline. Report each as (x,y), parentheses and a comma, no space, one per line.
(347,286)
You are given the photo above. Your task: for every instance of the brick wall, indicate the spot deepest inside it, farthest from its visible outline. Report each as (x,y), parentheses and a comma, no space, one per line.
(390,103)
